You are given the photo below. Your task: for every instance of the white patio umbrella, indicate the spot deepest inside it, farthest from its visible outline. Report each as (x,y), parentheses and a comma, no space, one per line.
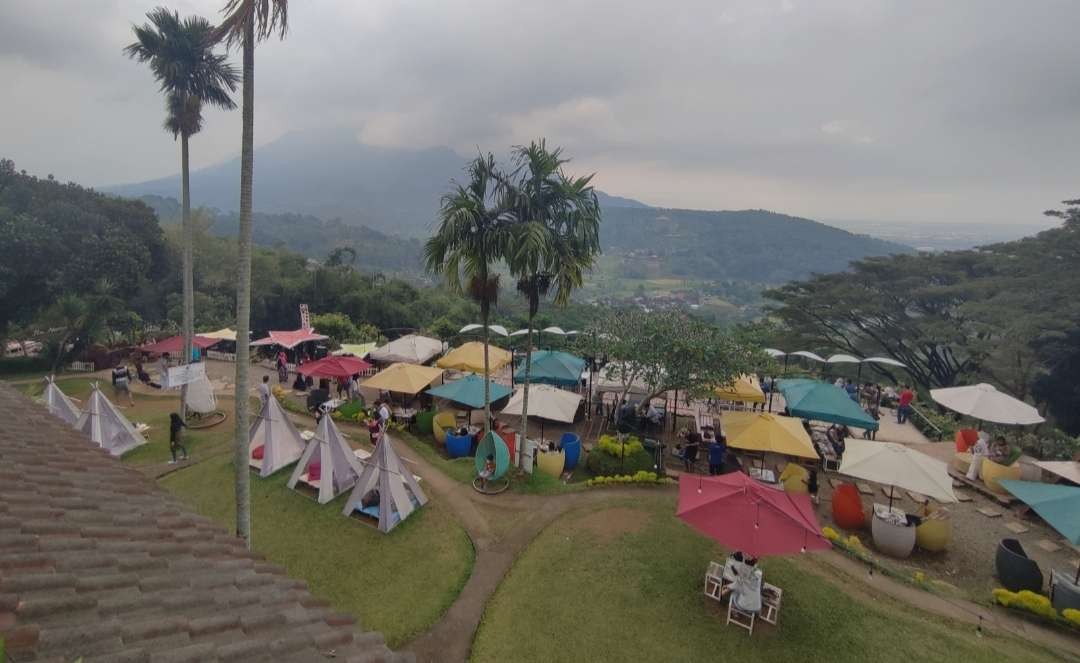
(545,402)
(888,361)
(898,466)
(497,329)
(843,359)
(984,402)
(808,355)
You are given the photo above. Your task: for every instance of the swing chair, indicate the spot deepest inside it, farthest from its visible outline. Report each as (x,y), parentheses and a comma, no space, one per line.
(492,445)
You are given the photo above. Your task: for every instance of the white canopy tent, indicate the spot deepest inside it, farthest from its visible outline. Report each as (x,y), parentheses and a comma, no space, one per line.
(545,402)
(106,427)
(328,464)
(398,492)
(411,349)
(274,441)
(59,404)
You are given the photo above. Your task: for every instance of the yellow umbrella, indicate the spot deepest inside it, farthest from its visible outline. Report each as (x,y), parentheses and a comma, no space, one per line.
(771,433)
(225,334)
(403,378)
(470,357)
(745,389)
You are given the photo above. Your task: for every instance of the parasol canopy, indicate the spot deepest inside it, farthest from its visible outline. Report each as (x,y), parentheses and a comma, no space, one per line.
(552,367)
(820,401)
(897,465)
(545,402)
(744,389)
(1057,505)
(224,334)
(984,402)
(175,344)
(411,349)
(290,339)
(355,349)
(770,433)
(403,378)
(334,367)
(470,357)
(743,514)
(469,391)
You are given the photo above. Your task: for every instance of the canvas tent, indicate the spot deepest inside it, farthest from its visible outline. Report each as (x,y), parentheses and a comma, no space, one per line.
(106,427)
(399,493)
(411,349)
(59,404)
(274,441)
(327,464)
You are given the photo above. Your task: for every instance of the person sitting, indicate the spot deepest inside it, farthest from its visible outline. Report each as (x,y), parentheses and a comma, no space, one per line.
(488,471)
(463,431)
(299,384)
(1000,451)
(371,498)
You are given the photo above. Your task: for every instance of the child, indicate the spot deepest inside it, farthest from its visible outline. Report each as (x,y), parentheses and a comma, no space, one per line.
(488,471)
(176,424)
(812,486)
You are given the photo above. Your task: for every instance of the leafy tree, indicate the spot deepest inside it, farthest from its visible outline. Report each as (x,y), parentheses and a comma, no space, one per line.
(475,232)
(247,21)
(557,237)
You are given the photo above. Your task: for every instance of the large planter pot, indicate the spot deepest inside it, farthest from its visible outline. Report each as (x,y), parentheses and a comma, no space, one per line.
(934,535)
(992,473)
(1015,569)
(571,446)
(893,540)
(795,479)
(458,446)
(551,462)
(1064,593)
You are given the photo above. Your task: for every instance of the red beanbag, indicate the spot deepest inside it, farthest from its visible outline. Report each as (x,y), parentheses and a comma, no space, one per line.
(847,507)
(314,471)
(257,452)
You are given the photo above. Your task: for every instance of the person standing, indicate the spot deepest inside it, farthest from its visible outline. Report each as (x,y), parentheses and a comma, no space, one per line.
(176,427)
(717,450)
(282,367)
(264,391)
(354,388)
(903,404)
(121,382)
(163,370)
(384,415)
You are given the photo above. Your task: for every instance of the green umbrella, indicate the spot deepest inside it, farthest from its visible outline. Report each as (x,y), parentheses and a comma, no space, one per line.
(1058,505)
(552,367)
(469,391)
(820,401)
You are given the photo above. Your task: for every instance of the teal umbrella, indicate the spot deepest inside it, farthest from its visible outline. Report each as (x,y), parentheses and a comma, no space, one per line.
(820,401)
(1058,505)
(469,391)
(552,367)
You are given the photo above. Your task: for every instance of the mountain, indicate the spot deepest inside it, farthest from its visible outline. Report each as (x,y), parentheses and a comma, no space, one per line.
(607,201)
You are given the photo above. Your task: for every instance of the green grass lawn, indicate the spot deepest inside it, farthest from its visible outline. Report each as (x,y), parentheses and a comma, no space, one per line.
(398,583)
(625,582)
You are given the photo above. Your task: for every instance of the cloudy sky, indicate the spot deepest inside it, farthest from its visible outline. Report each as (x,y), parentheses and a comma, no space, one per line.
(960,111)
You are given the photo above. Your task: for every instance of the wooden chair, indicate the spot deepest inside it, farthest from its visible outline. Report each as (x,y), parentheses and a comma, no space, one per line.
(771,597)
(740,618)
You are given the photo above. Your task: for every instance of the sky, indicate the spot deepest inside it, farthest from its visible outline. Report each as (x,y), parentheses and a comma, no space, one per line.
(964,111)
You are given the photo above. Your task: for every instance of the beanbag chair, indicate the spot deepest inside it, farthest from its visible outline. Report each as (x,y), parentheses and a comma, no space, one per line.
(847,507)
(314,471)
(257,452)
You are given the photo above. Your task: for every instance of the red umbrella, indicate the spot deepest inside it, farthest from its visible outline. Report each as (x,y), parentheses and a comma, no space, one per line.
(334,367)
(176,344)
(743,514)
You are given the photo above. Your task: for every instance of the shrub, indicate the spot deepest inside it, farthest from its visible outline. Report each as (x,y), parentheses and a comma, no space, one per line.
(13,365)
(611,445)
(829,533)
(945,422)
(1026,600)
(601,463)
(1053,444)
(1072,616)
(638,478)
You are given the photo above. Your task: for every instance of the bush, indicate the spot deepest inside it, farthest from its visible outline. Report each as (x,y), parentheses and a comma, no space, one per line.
(601,463)
(945,423)
(611,445)
(1072,616)
(641,478)
(13,365)
(1028,601)
(1053,444)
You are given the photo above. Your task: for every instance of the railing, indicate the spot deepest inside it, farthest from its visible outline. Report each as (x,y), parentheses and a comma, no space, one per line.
(938,432)
(221,356)
(81,367)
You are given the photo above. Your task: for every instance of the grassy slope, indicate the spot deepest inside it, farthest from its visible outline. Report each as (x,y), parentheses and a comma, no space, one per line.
(398,583)
(576,595)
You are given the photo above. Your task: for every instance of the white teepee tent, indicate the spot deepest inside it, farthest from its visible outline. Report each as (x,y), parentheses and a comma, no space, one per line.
(399,493)
(59,404)
(274,441)
(328,464)
(106,427)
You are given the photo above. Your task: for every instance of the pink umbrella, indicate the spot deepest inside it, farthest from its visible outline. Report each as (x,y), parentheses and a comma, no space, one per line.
(334,367)
(175,344)
(743,514)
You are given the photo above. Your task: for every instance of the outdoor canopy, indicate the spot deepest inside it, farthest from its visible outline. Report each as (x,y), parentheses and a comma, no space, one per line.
(552,367)
(545,402)
(399,492)
(744,389)
(896,465)
(984,402)
(743,514)
(106,427)
(820,401)
(1066,469)
(403,378)
(175,344)
(469,391)
(334,367)
(290,339)
(411,349)
(59,404)
(274,433)
(354,349)
(224,334)
(1057,505)
(470,357)
(328,464)
(770,433)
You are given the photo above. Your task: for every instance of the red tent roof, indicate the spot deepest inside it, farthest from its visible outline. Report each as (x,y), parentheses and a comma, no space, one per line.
(176,344)
(743,514)
(334,367)
(290,339)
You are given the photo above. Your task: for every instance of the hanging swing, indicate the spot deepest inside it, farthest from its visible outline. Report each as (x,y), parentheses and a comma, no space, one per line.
(492,445)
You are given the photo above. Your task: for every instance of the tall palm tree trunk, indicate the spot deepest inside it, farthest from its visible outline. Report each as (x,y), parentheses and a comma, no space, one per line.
(485,313)
(188,287)
(528,374)
(243,292)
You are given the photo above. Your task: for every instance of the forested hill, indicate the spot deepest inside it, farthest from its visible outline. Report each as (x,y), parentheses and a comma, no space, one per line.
(748,245)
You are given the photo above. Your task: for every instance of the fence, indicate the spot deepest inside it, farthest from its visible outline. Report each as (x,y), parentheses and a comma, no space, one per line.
(221,356)
(81,367)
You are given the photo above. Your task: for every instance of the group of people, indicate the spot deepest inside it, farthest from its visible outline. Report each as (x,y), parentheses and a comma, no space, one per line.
(715,446)
(997,451)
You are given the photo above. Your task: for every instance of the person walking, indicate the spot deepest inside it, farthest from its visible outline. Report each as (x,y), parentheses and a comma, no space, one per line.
(717,450)
(176,426)
(282,367)
(121,382)
(903,404)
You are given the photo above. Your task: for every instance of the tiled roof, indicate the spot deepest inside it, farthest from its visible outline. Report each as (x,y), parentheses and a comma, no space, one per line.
(99,562)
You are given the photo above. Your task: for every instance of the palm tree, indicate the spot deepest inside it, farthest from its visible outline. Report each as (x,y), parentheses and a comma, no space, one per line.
(557,238)
(247,21)
(182,59)
(474,234)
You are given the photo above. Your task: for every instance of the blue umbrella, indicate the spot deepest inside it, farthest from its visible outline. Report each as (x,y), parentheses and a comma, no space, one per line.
(1058,505)
(552,367)
(469,391)
(820,401)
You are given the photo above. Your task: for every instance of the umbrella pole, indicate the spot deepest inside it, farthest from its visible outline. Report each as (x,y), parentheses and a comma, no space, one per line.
(891,489)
